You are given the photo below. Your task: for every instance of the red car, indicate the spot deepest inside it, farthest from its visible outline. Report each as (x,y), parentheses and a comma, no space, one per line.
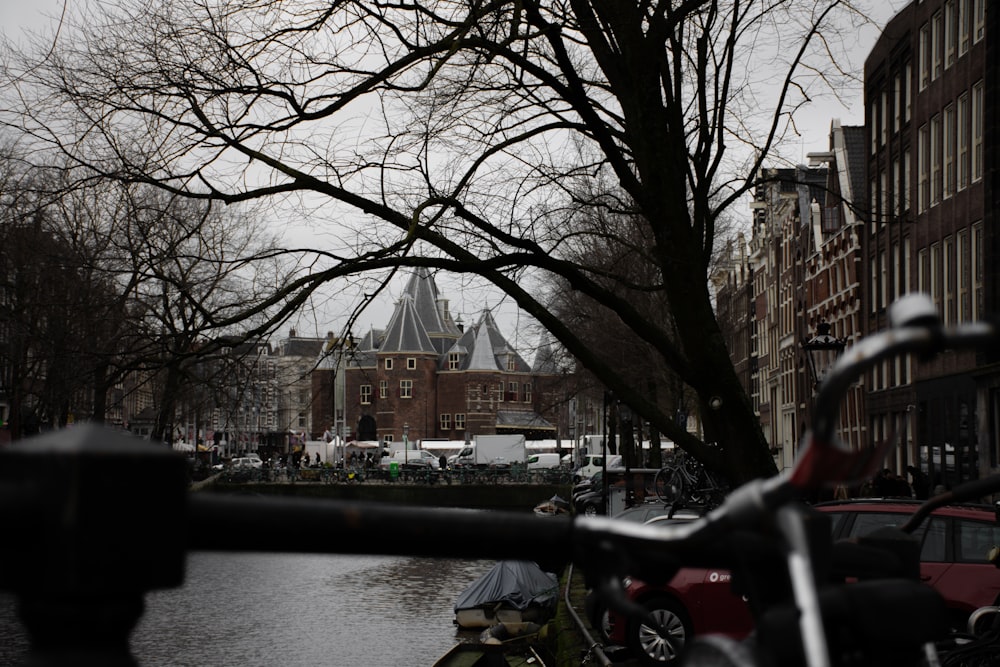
(956,541)
(695,601)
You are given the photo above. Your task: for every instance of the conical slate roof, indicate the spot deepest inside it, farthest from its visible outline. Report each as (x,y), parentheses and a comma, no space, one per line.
(406,331)
(481,357)
(429,305)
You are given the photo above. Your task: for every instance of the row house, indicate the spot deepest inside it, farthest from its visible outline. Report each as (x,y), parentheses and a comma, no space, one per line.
(930,91)
(907,204)
(425,376)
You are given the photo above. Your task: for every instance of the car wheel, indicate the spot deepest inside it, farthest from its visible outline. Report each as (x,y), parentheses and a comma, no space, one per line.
(645,642)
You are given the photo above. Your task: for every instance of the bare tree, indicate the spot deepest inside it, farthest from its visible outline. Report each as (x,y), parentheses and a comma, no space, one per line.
(452,133)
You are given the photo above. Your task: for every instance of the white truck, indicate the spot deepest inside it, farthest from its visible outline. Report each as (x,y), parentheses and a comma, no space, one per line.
(491,450)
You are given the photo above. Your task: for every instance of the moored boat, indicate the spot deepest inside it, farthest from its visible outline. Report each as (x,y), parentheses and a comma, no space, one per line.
(511,592)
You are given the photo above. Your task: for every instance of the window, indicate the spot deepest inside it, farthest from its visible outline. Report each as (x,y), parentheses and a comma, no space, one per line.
(387,438)
(897,108)
(502,387)
(897,269)
(511,362)
(947,283)
(883,182)
(411,363)
(366,394)
(527,392)
(950,177)
(383,389)
(512,391)
(923,285)
(935,159)
(937,30)
(979,19)
(873,120)
(885,117)
(976,270)
(950,52)
(935,275)
(923,169)
(908,92)
(897,185)
(905,185)
(388,364)
(453,361)
(975,539)
(962,139)
(962,269)
(963,27)
(459,421)
(977,131)
(406,388)
(445,422)
(924,54)
(884,278)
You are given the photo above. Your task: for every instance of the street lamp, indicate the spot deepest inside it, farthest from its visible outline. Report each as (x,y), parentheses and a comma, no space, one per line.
(822,351)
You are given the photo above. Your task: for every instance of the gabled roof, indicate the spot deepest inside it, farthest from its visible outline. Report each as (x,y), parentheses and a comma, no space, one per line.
(406,331)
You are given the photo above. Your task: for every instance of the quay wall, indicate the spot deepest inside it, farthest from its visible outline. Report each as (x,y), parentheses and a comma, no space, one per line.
(508,497)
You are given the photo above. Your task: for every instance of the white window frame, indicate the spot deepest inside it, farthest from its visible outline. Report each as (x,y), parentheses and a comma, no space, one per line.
(923,169)
(937,45)
(924,55)
(950,50)
(406,388)
(366,394)
(445,421)
(387,363)
(962,265)
(948,143)
(962,138)
(935,159)
(977,131)
(963,27)
(383,389)
(411,364)
(459,421)
(947,282)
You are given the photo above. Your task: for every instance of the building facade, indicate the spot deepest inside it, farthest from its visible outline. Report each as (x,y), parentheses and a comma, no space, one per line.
(930,90)
(427,377)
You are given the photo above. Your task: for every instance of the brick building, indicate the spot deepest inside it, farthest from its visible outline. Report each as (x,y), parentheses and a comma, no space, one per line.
(426,376)
(930,99)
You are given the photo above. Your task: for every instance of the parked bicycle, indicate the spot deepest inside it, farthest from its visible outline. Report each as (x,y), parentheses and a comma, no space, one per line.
(684,481)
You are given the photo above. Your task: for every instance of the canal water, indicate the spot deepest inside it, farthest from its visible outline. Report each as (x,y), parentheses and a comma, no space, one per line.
(294,610)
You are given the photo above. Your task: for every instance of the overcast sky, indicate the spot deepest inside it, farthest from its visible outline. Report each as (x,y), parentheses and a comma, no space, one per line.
(16,16)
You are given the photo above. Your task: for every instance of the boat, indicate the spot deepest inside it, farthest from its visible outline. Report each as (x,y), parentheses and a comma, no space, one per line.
(502,645)
(512,591)
(552,507)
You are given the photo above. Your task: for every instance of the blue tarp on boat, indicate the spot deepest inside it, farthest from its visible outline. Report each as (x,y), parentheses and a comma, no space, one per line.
(517,584)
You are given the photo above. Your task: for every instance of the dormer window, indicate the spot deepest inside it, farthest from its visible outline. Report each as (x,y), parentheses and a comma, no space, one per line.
(453,361)
(511,362)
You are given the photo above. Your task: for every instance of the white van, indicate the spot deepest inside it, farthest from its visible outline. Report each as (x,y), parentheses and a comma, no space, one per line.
(538,461)
(594,463)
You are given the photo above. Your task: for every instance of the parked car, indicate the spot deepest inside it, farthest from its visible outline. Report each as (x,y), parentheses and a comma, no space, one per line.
(420,458)
(543,461)
(956,544)
(246,462)
(695,601)
(593,463)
